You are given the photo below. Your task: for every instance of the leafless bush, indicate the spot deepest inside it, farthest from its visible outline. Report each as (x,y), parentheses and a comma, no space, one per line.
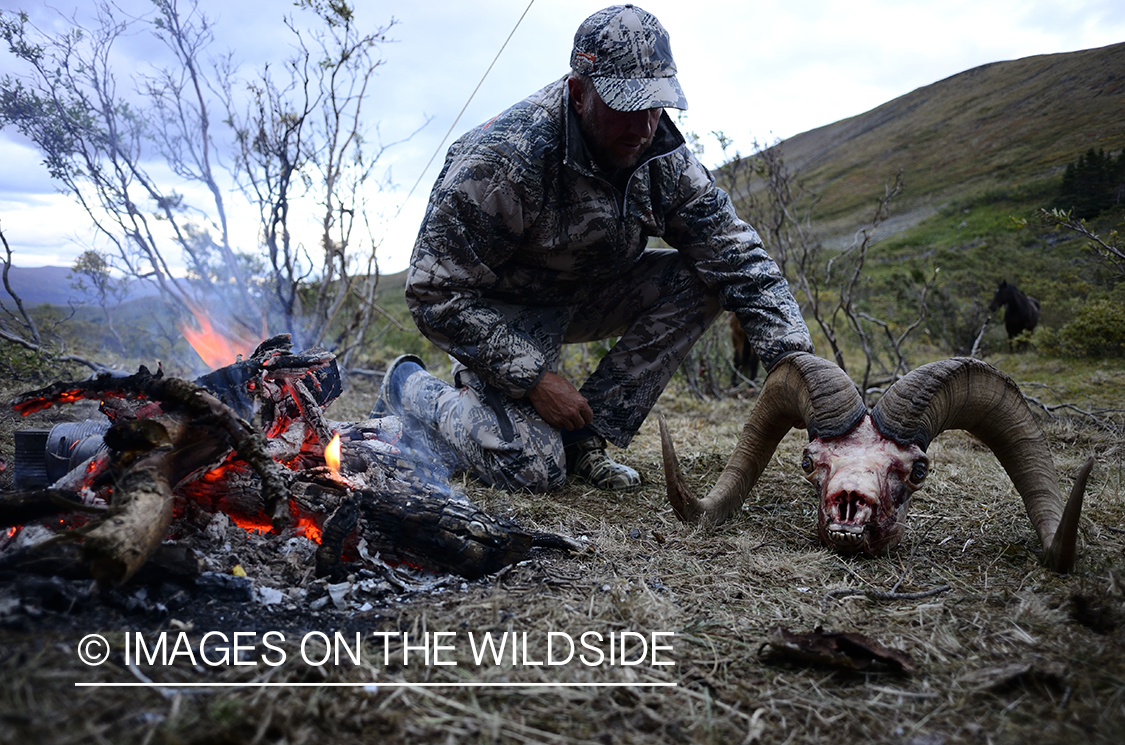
(831,285)
(299,147)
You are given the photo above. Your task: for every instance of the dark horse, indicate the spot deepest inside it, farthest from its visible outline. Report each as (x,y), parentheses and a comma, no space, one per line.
(1021,312)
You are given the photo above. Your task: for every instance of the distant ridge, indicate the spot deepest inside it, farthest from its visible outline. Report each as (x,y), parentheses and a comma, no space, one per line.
(44,284)
(997,125)
(51,284)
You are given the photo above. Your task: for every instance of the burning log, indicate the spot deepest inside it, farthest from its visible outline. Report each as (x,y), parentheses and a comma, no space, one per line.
(182,406)
(189,429)
(180,450)
(147,462)
(117,546)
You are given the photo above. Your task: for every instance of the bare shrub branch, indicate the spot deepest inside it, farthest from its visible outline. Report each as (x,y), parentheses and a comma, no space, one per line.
(1111,251)
(18,328)
(296,133)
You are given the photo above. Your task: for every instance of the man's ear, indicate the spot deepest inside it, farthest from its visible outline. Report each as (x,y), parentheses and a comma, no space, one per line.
(577,94)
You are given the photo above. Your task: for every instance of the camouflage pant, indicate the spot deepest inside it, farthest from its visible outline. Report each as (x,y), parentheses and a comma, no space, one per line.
(658,311)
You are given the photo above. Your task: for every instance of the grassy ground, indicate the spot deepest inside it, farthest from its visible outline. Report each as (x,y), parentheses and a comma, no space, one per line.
(1010,653)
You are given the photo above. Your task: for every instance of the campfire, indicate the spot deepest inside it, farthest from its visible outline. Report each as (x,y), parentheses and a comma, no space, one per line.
(176,465)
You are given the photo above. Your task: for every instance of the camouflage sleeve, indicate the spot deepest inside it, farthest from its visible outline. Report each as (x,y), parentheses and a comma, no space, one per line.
(731,260)
(473,224)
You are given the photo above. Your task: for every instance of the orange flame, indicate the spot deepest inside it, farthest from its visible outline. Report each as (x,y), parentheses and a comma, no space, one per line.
(216,347)
(332,455)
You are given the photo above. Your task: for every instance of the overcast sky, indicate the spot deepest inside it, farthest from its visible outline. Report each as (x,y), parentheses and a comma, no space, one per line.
(755,70)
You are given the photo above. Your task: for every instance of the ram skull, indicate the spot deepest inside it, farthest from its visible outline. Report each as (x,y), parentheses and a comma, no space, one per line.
(866,464)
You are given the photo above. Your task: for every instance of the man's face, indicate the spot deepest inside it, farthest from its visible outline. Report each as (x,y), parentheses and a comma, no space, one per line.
(616,138)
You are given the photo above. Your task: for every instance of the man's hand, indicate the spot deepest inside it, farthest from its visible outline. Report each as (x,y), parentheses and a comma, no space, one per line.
(559,403)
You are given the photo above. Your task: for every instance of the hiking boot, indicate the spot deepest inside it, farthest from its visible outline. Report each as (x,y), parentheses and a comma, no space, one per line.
(390,392)
(587,460)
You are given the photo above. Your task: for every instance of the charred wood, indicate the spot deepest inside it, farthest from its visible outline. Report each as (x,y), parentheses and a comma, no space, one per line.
(50,558)
(337,528)
(187,451)
(169,561)
(22,508)
(446,534)
(137,522)
(177,396)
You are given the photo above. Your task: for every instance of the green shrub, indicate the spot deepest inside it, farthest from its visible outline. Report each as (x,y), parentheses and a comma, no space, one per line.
(1098,330)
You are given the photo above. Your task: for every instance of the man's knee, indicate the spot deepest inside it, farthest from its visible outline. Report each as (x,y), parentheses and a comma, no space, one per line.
(503,441)
(531,469)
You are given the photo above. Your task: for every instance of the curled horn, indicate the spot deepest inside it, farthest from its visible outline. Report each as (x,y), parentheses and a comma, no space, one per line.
(964,393)
(802,390)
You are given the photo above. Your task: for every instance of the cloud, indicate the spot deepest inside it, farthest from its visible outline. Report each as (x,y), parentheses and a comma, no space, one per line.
(24,177)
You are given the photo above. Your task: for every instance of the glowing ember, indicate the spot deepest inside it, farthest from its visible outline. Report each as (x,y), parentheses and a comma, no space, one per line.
(36,405)
(307,527)
(217,347)
(332,455)
(251,525)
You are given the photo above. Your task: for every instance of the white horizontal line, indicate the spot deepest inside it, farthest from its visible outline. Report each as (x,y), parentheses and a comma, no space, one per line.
(375,684)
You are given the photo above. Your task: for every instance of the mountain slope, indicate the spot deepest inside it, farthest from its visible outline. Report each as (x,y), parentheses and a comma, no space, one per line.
(1001,124)
(51,284)
(43,284)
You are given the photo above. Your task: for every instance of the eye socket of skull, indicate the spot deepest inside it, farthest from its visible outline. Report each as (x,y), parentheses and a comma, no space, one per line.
(918,472)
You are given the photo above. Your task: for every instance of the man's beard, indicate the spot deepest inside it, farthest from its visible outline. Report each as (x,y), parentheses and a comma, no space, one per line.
(603,152)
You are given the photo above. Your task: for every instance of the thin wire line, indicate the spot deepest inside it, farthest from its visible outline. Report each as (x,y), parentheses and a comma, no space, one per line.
(463,108)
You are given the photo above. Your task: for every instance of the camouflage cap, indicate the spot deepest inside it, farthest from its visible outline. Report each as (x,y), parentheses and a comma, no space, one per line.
(627,53)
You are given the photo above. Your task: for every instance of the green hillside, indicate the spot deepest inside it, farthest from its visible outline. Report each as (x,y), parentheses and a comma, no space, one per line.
(995,126)
(980,153)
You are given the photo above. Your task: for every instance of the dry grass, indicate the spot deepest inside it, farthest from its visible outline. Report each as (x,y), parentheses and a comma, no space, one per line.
(1011,653)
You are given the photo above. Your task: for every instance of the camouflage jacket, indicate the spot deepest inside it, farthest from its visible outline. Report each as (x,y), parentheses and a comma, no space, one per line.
(521,215)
